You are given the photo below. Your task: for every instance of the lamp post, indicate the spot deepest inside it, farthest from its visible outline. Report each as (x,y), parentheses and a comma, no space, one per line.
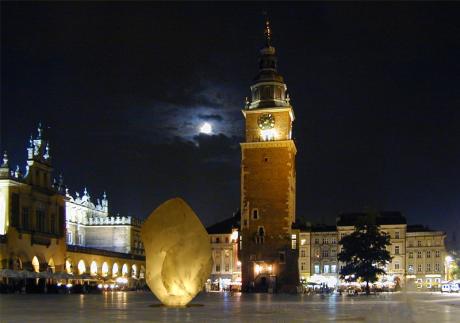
(448,261)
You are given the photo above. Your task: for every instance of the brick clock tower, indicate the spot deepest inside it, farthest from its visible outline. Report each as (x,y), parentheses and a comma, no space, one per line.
(268,182)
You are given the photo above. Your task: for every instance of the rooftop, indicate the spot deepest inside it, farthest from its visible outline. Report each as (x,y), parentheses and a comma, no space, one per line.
(383,218)
(226,225)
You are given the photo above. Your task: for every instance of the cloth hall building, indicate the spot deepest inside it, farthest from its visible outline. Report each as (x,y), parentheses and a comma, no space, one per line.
(45,229)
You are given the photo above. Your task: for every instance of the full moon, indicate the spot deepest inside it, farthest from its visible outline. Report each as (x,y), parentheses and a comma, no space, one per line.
(206,128)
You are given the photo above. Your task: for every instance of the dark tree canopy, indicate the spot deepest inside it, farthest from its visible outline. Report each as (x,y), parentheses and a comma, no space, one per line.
(364,251)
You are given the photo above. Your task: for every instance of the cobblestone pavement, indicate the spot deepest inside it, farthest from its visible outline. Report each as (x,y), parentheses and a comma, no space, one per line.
(214,307)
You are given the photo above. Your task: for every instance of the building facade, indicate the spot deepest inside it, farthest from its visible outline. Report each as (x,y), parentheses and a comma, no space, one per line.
(32,213)
(324,248)
(425,257)
(226,268)
(268,182)
(43,228)
(89,225)
(418,253)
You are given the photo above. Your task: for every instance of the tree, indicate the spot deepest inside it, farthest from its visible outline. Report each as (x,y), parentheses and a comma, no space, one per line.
(364,251)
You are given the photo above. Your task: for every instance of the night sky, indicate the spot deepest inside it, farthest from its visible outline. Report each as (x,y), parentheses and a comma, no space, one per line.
(124,88)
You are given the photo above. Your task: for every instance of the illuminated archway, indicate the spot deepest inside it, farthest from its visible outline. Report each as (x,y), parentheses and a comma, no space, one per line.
(105,269)
(115,270)
(124,270)
(68,266)
(81,267)
(134,270)
(35,264)
(142,272)
(93,269)
(51,265)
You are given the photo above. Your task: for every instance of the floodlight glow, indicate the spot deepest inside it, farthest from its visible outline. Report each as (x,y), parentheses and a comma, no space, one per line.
(235,235)
(268,134)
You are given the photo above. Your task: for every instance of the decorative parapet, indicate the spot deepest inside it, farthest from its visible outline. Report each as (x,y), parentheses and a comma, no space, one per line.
(114,220)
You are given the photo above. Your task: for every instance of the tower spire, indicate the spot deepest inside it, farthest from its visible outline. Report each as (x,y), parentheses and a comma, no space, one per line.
(267,31)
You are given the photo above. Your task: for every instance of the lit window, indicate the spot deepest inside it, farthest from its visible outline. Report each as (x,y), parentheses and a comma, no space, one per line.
(396,234)
(293,241)
(326,269)
(303,242)
(316,269)
(410,268)
(69,237)
(333,269)
(396,250)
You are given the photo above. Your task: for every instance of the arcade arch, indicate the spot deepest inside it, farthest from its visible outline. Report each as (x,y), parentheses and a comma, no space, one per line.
(81,267)
(93,268)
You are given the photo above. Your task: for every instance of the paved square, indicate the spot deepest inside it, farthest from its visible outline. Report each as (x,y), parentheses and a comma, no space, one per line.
(137,307)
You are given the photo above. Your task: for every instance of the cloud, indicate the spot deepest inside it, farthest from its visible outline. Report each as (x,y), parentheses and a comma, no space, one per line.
(208,117)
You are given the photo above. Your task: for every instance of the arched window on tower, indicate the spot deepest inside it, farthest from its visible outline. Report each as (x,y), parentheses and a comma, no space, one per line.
(260,236)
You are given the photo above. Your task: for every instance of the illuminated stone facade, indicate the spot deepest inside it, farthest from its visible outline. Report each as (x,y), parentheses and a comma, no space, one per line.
(425,257)
(89,225)
(226,268)
(37,214)
(268,182)
(418,253)
(32,212)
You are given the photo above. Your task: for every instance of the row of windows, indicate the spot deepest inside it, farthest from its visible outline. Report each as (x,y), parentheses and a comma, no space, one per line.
(22,219)
(219,240)
(326,240)
(437,254)
(326,268)
(324,253)
(437,268)
(227,268)
(421,244)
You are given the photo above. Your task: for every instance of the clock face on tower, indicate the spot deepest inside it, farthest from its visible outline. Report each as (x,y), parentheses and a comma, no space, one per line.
(266,121)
